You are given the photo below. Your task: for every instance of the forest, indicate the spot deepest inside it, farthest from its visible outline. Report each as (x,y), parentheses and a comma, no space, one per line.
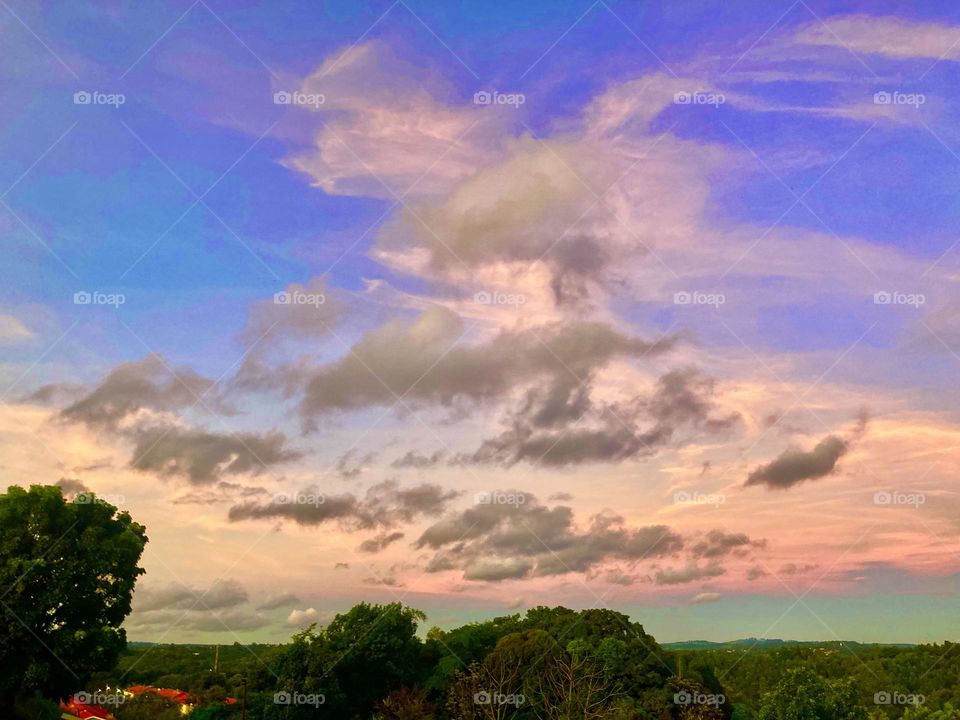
(552,663)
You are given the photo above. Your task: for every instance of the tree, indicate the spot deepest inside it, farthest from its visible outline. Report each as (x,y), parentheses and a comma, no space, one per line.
(67,572)
(805,695)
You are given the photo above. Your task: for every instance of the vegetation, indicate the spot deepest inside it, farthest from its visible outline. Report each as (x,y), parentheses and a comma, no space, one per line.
(68,570)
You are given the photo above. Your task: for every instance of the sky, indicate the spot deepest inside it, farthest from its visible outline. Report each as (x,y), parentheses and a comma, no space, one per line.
(481,306)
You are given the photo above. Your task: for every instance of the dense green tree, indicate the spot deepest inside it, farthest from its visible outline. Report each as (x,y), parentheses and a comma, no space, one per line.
(805,695)
(67,572)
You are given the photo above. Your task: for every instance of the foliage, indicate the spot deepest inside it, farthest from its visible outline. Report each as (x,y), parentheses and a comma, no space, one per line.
(67,571)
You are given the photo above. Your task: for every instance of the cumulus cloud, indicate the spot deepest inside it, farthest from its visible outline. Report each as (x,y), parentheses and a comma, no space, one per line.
(422,362)
(147,384)
(203,457)
(71,487)
(495,542)
(706,597)
(795,466)
(380,542)
(558,424)
(719,543)
(221,594)
(691,572)
(384,505)
(414,459)
(278,601)
(299,618)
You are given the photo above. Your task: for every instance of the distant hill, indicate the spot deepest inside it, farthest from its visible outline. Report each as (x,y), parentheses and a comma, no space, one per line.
(771,644)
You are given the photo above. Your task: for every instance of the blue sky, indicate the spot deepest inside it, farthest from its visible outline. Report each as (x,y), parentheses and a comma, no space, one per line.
(733,225)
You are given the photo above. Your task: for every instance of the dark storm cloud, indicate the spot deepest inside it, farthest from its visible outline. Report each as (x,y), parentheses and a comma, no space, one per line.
(202,457)
(384,505)
(795,466)
(147,384)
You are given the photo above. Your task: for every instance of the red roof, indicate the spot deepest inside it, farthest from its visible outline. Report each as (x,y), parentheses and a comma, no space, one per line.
(83,711)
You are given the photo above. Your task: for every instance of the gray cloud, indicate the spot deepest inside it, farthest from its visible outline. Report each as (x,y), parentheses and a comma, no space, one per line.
(222,594)
(385,505)
(202,456)
(414,459)
(146,384)
(495,542)
(718,543)
(794,466)
(691,572)
(71,487)
(380,542)
(299,311)
(557,425)
(279,601)
(421,361)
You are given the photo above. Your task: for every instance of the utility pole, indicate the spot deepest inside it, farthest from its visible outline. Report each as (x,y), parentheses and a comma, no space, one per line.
(216,660)
(243,712)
